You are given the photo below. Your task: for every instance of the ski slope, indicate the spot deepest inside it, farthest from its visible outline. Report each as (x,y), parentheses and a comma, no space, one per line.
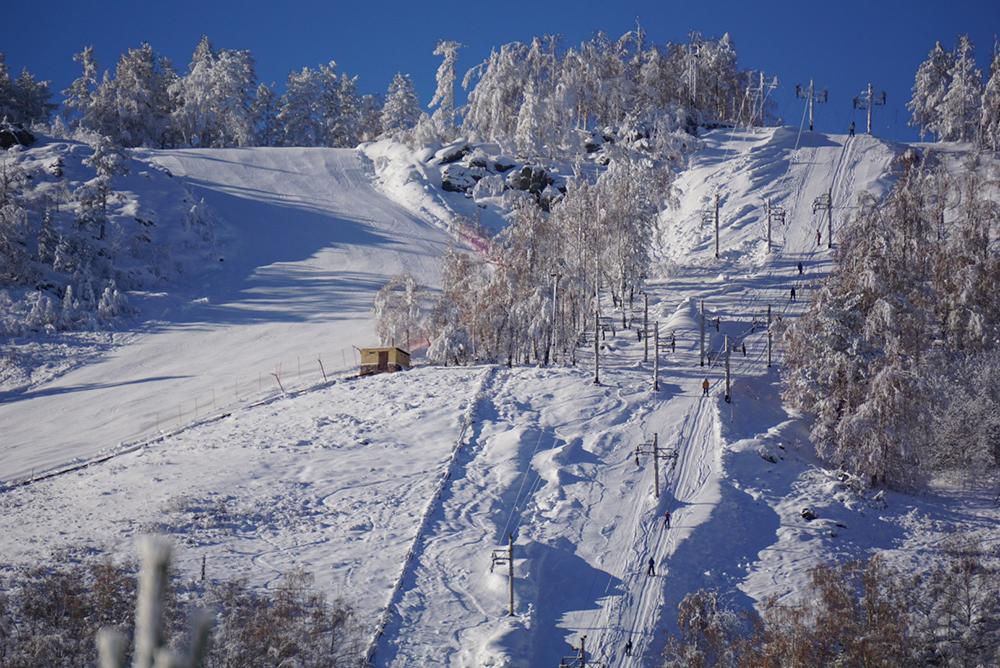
(394,491)
(312,241)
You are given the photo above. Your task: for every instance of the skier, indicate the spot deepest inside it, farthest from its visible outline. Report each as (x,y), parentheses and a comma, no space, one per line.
(628,646)
(673,343)
(652,567)
(850,130)
(704,388)
(819,238)
(717,323)
(666,520)
(793,294)
(744,347)
(800,268)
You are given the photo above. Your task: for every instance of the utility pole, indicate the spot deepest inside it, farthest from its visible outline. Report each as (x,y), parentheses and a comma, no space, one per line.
(728,395)
(775,214)
(825,203)
(717,225)
(645,327)
(868,100)
(768,336)
(552,327)
(702,332)
(656,356)
(597,346)
(501,556)
(651,448)
(811,97)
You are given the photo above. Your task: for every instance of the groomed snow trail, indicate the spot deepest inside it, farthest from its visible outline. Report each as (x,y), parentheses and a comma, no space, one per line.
(555,462)
(314,240)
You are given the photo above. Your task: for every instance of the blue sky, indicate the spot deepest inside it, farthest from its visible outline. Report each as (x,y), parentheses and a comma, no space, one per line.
(841,45)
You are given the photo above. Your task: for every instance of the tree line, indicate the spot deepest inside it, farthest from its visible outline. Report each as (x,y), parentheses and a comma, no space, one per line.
(950,99)
(534,97)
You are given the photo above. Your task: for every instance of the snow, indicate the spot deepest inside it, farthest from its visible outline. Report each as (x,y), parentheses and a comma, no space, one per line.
(313,243)
(394,490)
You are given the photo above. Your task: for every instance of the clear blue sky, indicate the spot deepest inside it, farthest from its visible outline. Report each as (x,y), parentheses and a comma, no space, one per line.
(842,45)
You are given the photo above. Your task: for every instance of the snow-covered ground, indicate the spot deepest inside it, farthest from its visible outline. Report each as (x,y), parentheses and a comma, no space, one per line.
(314,240)
(395,490)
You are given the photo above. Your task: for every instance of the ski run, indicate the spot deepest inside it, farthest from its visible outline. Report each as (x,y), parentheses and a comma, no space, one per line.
(396,491)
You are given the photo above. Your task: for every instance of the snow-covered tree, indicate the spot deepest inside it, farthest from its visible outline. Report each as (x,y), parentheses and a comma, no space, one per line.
(108,160)
(79,97)
(23,100)
(401,110)
(444,94)
(397,311)
(989,121)
(133,107)
(929,88)
(960,107)
(213,101)
(264,112)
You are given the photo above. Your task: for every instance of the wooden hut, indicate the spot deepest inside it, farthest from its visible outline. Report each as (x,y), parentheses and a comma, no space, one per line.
(383,360)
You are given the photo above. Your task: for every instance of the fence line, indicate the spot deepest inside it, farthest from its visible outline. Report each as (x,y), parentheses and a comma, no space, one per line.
(288,377)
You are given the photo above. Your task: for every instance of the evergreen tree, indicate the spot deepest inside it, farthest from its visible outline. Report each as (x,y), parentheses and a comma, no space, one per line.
(80,95)
(989,122)
(929,88)
(960,108)
(264,112)
(444,94)
(401,109)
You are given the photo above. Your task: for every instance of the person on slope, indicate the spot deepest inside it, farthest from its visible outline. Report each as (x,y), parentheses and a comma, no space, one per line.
(652,567)
(850,130)
(743,346)
(819,238)
(793,294)
(628,646)
(673,343)
(704,387)
(666,520)
(800,268)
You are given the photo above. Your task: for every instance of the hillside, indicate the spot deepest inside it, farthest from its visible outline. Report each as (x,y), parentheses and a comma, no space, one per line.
(395,490)
(312,241)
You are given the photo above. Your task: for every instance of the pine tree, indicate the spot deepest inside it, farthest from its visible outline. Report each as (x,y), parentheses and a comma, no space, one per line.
(929,88)
(444,94)
(402,108)
(960,108)
(79,100)
(264,112)
(989,122)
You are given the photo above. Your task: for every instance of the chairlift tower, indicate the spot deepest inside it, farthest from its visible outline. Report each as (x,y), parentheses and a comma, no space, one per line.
(812,96)
(867,100)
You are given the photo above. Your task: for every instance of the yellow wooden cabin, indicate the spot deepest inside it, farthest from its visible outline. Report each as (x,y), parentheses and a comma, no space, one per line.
(383,360)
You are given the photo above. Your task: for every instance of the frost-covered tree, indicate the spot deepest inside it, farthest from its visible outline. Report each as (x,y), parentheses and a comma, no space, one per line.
(960,107)
(133,107)
(24,99)
(401,110)
(398,311)
(264,112)
(929,88)
(444,94)
(989,122)
(213,101)
(79,97)
(108,160)
(320,108)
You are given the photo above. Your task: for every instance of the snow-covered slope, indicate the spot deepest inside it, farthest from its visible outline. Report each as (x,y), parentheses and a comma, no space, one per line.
(314,241)
(396,490)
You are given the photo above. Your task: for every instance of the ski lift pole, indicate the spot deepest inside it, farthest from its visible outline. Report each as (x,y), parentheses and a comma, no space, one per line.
(656,356)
